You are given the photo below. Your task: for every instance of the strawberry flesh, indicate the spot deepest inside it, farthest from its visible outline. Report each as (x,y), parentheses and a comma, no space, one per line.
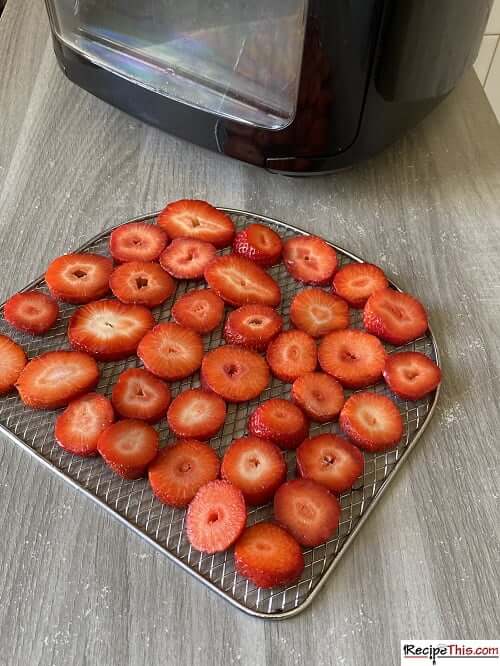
(317,313)
(191,218)
(79,427)
(234,373)
(292,354)
(196,414)
(355,283)
(371,421)
(137,241)
(238,281)
(141,283)
(309,259)
(128,447)
(12,361)
(79,278)
(320,396)
(171,351)
(355,358)
(331,461)
(252,326)
(201,310)
(140,395)
(280,421)
(395,317)
(187,258)
(31,311)
(258,243)
(411,375)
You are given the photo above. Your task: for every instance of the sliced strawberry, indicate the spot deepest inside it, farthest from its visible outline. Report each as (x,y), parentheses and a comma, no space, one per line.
(12,361)
(234,373)
(141,283)
(330,460)
(31,311)
(320,396)
(292,354)
(196,414)
(357,282)
(317,313)
(411,375)
(200,310)
(187,258)
(353,357)
(79,278)
(109,330)
(252,326)
(256,466)
(128,447)
(137,241)
(309,259)
(190,218)
(395,317)
(258,243)
(216,517)
(238,281)
(171,351)
(371,421)
(55,378)
(268,556)
(280,421)
(81,424)
(140,395)
(179,471)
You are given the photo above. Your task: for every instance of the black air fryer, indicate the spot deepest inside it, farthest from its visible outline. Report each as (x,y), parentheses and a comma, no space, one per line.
(294,86)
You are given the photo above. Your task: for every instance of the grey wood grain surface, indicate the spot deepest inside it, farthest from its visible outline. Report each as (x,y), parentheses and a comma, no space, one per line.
(76,587)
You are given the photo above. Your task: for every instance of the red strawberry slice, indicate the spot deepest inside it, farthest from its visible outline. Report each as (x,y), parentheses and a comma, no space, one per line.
(137,241)
(109,330)
(256,466)
(234,373)
(268,556)
(200,310)
(252,326)
(79,278)
(187,258)
(395,317)
(371,421)
(171,351)
(31,311)
(357,282)
(190,218)
(258,243)
(216,517)
(196,414)
(411,375)
(331,461)
(307,510)
(128,447)
(353,357)
(12,361)
(81,424)
(55,378)
(317,313)
(140,395)
(280,421)
(238,281)
(320,396)
(309,259)
(292,354)
(141,283)
(179,471)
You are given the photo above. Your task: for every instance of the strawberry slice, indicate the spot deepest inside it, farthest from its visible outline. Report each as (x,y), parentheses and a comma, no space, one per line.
(371,421)
(137,241)
(140,395)
(331,461)
(31,311)
(196,414)
(109,330)
(191,218)
(81,424)
(128,447)
(256,466)
(55,378)
(141,283)
(179,471)
(353,357)
(12,361)
(79,278)
(307,510)
(280,421)
(395,317)
(238,281)
(317,313)
(234,373)
(309,259)
(357,282)
(292,354)
(200,310)
(187,258)
(320,396)
(252,326)
(171,351)
(268,556)
(258,243)
(216,517)
(411,375)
